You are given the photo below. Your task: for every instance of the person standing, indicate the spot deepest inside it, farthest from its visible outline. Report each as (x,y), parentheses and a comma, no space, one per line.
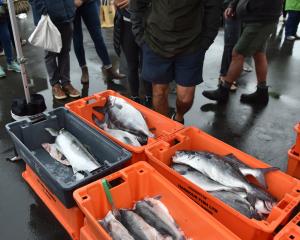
(292,23)
(88,11)
(125,40)
(61,13)
(6,43)
(174,36)
(259,22)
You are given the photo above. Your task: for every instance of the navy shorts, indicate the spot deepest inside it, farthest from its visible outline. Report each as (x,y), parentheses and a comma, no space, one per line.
(185,70)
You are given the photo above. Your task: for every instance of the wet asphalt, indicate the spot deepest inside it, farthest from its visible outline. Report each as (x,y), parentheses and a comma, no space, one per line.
(265,133)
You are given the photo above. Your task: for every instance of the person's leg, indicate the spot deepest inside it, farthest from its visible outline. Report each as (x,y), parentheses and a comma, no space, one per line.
(160,98)
(131,52)
(90,16)
(291,25)
(232,32)
(261,67)
(79,48)
(184,101)
(188,74)
(6,42)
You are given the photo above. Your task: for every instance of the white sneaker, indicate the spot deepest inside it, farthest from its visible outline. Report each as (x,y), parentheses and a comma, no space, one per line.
(2,53)
(290,38)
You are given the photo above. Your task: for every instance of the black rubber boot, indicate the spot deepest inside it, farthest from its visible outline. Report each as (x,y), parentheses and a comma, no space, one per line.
(259,97)
(221,94)
(148,102)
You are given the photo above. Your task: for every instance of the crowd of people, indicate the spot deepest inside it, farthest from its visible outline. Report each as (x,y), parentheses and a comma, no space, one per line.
(163,41)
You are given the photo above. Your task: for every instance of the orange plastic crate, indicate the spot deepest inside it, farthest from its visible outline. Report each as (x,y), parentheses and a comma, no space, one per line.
(293,168)
(297,145)
(161,125)
(71,219)
(86,233)
(291,231)
(136,182)
(282,186)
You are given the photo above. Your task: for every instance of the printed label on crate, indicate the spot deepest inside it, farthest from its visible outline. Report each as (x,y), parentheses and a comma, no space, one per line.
(199,198)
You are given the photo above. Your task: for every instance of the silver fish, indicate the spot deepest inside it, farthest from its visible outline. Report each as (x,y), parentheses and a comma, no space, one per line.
(157,215)
(121,135)
(200,179)
(218,170)
(258,173)
(237,202)
(77,155)
(125,117)
(138,228)
(115,229)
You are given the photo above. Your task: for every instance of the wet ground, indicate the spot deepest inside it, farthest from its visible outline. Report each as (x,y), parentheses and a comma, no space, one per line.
(264,133)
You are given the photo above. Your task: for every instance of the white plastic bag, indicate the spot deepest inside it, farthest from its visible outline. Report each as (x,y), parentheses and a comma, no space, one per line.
(46,35)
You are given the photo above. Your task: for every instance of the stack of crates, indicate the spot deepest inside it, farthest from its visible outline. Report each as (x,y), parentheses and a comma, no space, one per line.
(294,156)
(143,172)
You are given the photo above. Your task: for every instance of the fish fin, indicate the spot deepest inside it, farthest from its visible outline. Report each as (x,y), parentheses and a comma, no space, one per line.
(143,140)
(98,122)
(261,177)
(251,198)
(52,132)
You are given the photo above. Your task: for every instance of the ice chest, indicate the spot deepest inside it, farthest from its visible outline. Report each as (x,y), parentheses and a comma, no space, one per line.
(29,135)
(136,182)
(282,186)
(158,124)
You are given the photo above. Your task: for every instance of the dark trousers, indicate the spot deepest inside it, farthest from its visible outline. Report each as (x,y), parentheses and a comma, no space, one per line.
(292,23)
(58,64)
(89,13)
(132,54)
(232,32)
(6,41)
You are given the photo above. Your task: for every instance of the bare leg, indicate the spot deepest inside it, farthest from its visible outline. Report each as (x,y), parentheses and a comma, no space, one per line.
(184,101)
(261,67)
(235,67)
(160,98)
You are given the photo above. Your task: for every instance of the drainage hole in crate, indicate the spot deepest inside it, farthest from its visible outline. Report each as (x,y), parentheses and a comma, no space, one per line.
(298,223)
(292,237)
(141,171)
(298,190)
(84,197)
(116,182)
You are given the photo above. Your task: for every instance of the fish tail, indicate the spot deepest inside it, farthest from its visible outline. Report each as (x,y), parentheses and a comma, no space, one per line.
(52,132)
(100,123)
(261,176)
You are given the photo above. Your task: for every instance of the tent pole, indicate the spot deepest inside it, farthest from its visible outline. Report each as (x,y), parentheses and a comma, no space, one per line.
(21,59)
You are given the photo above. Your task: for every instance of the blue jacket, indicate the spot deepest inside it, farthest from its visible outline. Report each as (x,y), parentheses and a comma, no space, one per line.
(60,11)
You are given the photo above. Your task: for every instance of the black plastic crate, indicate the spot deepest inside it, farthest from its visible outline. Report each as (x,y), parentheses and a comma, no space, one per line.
(28,135)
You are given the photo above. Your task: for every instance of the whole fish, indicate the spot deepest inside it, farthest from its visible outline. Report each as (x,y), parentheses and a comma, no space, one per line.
(200,179)
(218,170)
(238,203)
(121,135)
(138,228)
(77,155)
(157,215)
(125,117)
(258,173)
(115,229)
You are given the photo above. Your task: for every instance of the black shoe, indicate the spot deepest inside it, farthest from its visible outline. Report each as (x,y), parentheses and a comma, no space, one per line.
(221,94)
(148,101)
(137,99)
(259,97)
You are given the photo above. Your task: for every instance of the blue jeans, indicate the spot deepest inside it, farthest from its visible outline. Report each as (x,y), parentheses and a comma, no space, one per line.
(292,23)
(90,14)
(232,32)
(6,42)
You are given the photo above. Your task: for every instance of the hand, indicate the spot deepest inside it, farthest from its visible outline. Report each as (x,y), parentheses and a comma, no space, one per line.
(78,3)
(122,4)
(229,13)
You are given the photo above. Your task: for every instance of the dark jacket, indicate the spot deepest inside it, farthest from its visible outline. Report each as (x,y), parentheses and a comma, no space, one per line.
(60,11)
(173,27)
(257,10)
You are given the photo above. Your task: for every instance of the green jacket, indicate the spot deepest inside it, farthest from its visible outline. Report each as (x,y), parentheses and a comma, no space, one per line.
(292,5)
